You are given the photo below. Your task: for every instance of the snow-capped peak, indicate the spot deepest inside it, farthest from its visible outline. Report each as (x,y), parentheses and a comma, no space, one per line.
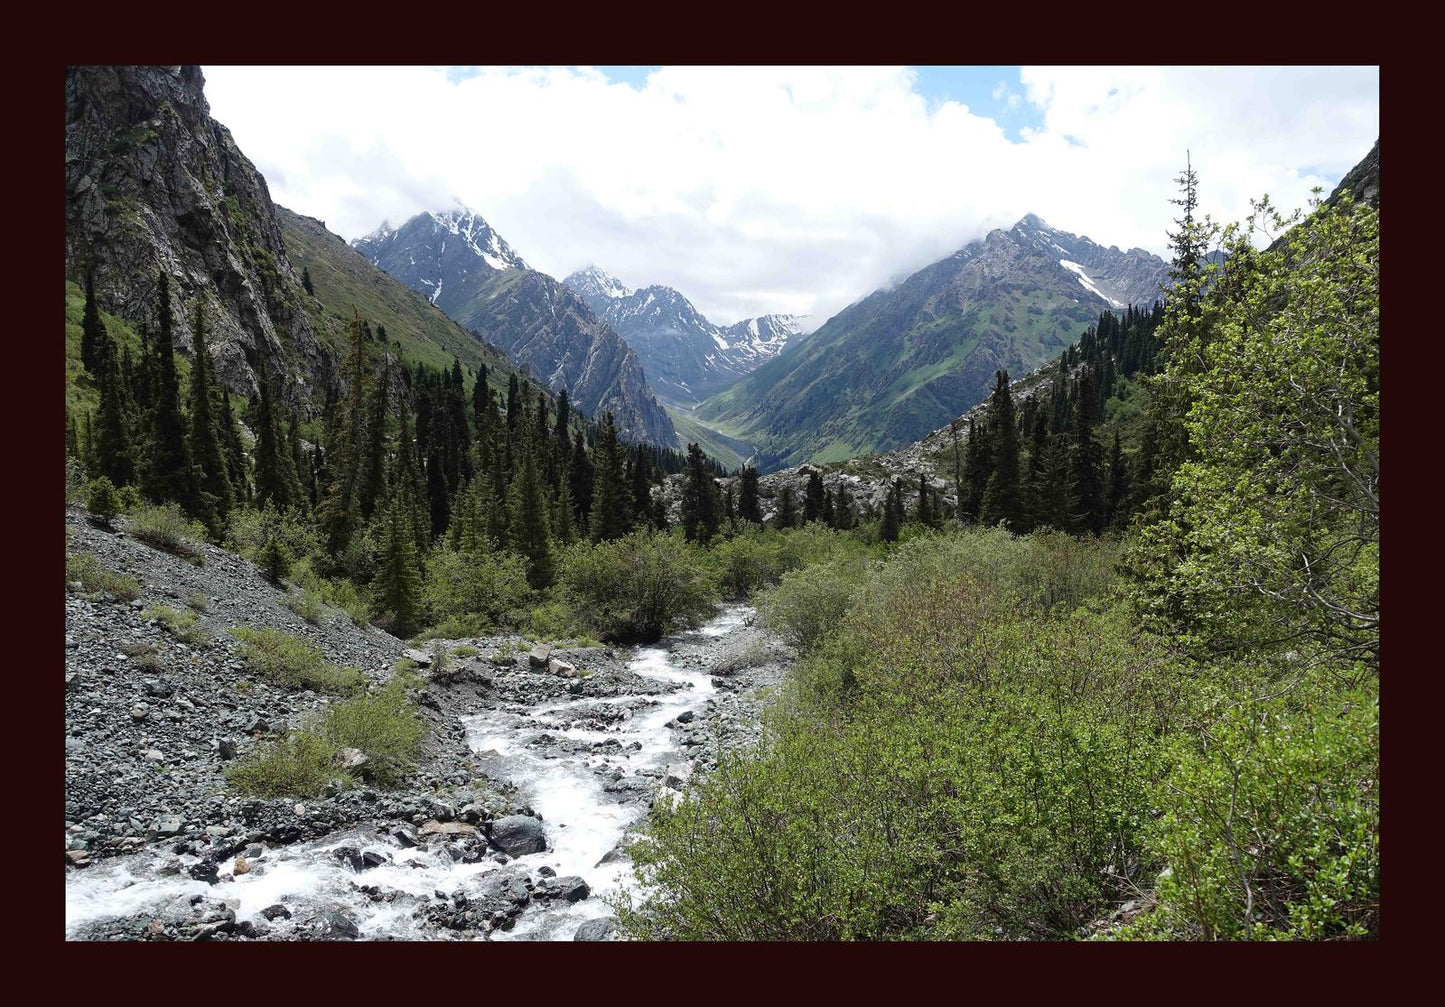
(477,235)
(597,282)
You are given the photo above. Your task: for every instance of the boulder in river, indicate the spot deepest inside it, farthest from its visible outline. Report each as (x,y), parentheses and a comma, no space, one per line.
(596,930)
(518,835)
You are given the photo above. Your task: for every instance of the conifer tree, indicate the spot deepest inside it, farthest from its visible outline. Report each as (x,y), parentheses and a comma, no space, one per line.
(339,514)
(813,498)
(925,505)
(977,468)
(72,439)
(438,499)
(167,472)
(749,508)
(371,488)
(564,526)
(272,486)
(843,517)
(93,336)
(112,435)
(306,281)
(830,513)
(1115,512)
(231,443)
(1086,469)
(787,516)
(701,510)
(214,496)
(398,583)
(610,505)
(527,529)
(481,400)
(88,454)
(580,479)
(1002,499)
(730,507)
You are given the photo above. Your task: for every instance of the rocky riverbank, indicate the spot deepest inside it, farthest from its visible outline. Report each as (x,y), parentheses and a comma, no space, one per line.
(157,847)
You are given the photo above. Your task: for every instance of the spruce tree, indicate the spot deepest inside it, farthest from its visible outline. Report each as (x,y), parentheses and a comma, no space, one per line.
(272,486)
(580,479)
(564,525)
(167,472)
(306,281)
(813,498)
(830,513)
(438,498)
(214,497)
(112,435)
(371,488)
(925,504)
(1086,468)
(72,439)
(1116,512)
(641,487)
(398,583)
(231,442)
(701,510)
(527,529)
(93,336)
(977,468)
(611,508)
(787,516)
(843,517)
(749,508)
(1002,499)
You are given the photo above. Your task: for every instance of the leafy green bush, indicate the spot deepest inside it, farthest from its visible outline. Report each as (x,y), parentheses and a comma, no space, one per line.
(808,605)
(249,529)
(298,764)
(167,528)
(198,602)
(130,499)
(306,604)
(383,726)
(180,623)
(465,651)
(477,592)
(293,663)
(948,764)
(96,580)
(1271,825)
(102,500)
(640,587)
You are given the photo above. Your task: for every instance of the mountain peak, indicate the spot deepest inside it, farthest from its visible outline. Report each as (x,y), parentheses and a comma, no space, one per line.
(1032,220)
(595,282)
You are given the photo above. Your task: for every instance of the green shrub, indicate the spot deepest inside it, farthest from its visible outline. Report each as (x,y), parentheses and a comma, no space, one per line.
(551,621)
(641,587)
(298,764)
(293,663)
(478,592)
(305,603)
(946,765)
(808,605)
(102,500)
(180,623)
(383,726)
(130,499)
(249,530)
(198,602)
(97,581)
(1271,825)
(465,651)
(167,528)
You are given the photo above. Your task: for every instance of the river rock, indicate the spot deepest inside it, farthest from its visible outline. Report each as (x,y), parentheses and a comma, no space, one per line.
(538,656)
(436,828)
(340,926)
(421,658)
(518,835)
(276,912)
(569,889)
(561,668)
(596,930)
(677,775)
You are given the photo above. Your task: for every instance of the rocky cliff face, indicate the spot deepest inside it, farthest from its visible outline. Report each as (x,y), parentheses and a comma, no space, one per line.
(153,184)
(460,264)
(686,356)
(545,327)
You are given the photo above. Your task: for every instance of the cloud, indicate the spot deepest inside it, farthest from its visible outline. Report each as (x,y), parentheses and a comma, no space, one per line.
(761,189)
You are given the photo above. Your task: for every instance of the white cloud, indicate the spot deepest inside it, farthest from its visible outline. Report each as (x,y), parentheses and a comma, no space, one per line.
(783,189)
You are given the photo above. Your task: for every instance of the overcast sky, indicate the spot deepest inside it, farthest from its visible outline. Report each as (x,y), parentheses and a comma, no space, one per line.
(797,190)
